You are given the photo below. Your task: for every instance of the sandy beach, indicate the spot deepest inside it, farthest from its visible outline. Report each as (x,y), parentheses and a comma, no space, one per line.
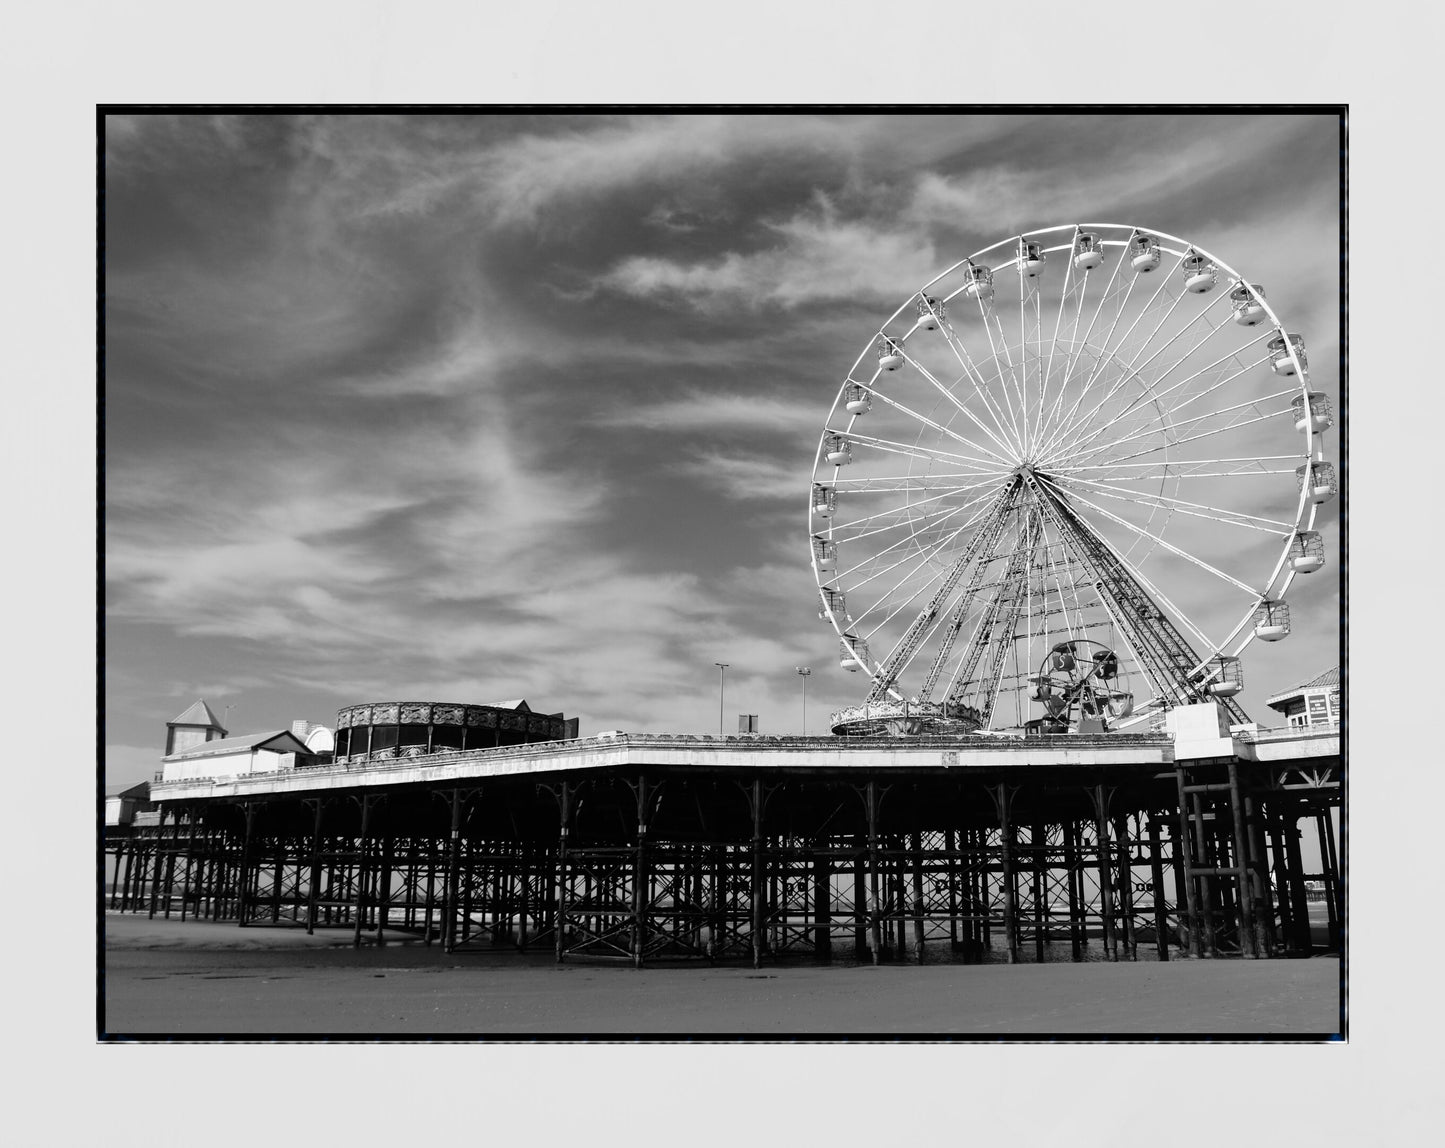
(165,977)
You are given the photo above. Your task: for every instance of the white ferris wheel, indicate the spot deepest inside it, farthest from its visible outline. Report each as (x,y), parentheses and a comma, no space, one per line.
(1088,437)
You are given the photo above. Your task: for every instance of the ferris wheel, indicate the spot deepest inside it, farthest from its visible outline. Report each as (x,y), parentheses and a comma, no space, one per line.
(1087,433)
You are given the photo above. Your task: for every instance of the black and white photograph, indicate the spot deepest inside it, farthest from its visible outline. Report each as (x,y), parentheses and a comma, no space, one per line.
(723,576)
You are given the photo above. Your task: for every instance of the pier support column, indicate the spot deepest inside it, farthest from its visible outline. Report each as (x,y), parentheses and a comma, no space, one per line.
(564,803)
(1071,864)
(243,883)
(1006,864)
(759,881)
(366,801)
(822,903)
(1248,940)
(1184,852)
(875,910)
(1126,923)
(860,897)
(1299,900)
(1254,826)
(313,886)
(1106,885)
(383,900)
(1330,874)
(1038,887)
(1156,875)
(641,880)
(915,843)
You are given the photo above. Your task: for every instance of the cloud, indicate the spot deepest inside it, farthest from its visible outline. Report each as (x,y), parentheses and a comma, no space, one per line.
(817,256)
(721,410)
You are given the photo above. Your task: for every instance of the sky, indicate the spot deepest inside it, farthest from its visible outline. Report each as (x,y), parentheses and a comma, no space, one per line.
(470,408)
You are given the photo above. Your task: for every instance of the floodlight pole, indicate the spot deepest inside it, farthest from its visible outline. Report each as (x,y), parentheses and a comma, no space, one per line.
(721,680)
(805,672)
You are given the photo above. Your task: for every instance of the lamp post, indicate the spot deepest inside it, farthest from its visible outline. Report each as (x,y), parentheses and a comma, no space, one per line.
(805,673)
(722,668)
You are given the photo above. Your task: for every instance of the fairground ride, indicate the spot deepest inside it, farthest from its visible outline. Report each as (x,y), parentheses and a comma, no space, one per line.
(1087,448)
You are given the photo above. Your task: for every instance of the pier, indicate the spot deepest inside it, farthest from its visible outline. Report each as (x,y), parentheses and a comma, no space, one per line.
(653,847)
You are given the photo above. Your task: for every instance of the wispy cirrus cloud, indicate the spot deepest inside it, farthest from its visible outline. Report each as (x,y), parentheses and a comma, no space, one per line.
(816,255)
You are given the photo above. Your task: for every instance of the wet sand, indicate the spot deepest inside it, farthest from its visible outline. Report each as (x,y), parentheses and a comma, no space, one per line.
(164,977)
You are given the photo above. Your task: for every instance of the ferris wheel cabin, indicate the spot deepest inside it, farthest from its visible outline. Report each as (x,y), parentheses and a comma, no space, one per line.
(856,400)
(1306,552)
(1031,258)
(1320,476)
(837,450)
(1227,676)
(1199,273)
(825,553)
(1248,310)
(930,310)
(890,357)
(1279,353)
(1321,417)
(825,501)
(1088,253)
(1144,253)
(980,282)
(835,605)
(852,650)
(1271,621)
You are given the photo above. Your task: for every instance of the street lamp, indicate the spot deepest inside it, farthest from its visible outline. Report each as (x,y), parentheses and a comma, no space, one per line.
(805,673)
(722,668)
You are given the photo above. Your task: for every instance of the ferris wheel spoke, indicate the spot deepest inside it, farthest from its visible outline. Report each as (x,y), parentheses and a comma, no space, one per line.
(1167,415)
(1195,438)
(1232,356)
(1254,403)
(904,483)
(990,321)
(1130,371)
(994,460)
(1143,579)
(1104,353)
(909,539)
(1146,309)
(1064,293)
(1195,509)
(1139,530)
(902,513)
(920,556)
(893,447)
(976,380)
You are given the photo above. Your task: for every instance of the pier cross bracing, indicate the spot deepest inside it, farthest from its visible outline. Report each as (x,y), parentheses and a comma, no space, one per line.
(753,850)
